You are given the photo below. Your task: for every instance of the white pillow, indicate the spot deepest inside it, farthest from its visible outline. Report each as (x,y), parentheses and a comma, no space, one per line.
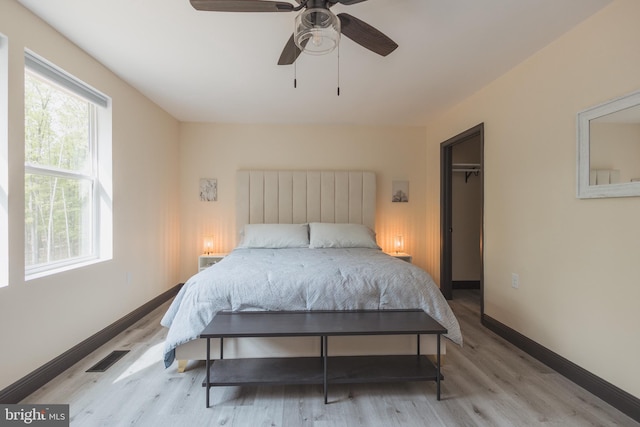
(275,236)
(327,235)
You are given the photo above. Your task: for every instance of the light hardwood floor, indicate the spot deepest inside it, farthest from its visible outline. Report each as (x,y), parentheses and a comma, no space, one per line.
(488,382)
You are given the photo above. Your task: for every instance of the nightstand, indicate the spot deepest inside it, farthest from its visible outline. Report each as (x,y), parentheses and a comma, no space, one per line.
(206,261)
(401,255)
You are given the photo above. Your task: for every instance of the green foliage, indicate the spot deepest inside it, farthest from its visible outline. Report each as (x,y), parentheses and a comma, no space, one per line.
(58,187)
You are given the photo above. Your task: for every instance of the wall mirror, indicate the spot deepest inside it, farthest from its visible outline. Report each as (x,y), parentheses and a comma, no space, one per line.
(608,161)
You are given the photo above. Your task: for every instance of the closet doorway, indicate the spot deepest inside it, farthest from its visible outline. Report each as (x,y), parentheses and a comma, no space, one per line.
(461,215)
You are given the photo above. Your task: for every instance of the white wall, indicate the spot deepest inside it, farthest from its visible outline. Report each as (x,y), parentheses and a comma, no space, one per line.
(40,319)
(577,259)
(218,151)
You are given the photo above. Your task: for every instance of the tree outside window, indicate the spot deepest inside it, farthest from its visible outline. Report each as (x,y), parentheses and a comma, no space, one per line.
(60,169)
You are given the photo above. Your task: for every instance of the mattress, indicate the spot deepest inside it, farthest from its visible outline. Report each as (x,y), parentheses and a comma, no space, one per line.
(303,279)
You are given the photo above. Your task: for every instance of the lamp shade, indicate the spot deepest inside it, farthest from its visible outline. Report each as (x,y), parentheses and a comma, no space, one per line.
(398,243)
(207,245)
(317,31)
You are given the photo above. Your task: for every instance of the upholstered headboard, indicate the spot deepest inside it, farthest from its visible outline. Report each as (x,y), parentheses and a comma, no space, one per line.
(297,197)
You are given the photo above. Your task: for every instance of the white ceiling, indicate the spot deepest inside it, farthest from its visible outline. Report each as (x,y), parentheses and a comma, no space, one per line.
(222,67)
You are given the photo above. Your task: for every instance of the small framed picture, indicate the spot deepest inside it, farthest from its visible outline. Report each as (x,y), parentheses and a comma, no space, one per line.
(400,192)
(208,189)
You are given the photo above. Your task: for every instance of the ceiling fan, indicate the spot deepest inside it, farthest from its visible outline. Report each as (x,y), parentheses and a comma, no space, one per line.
(317,29)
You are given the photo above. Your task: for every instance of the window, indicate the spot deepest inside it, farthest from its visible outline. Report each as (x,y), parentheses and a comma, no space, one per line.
(4,164)
(64,172)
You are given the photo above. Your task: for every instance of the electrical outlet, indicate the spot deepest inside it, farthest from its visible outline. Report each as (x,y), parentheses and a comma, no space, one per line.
(515,280)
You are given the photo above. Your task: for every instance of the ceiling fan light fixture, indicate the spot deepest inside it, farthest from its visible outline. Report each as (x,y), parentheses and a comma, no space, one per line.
(317,31)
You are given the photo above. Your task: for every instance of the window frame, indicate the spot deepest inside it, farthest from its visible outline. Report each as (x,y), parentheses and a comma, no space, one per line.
(4,161)
(99,174)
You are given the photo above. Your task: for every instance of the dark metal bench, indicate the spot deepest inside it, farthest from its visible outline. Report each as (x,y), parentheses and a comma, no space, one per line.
(324,369)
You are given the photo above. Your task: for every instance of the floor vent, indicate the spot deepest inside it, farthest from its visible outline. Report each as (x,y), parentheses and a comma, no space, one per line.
(106,363)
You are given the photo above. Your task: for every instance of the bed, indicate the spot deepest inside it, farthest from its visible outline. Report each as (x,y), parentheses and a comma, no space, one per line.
(306,243)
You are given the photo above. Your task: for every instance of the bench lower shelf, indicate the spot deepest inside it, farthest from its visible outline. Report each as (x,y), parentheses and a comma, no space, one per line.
(309,370)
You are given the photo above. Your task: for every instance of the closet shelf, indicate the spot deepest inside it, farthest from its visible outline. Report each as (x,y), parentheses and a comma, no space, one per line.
(467,168)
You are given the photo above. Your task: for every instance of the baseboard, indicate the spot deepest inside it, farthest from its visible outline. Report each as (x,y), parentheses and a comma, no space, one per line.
(36,379)
(606,391)
(465,284)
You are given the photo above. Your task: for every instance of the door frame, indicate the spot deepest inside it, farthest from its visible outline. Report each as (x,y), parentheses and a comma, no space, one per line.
(446,210)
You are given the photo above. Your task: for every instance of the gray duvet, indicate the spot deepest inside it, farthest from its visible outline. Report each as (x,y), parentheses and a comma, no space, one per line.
(303,279)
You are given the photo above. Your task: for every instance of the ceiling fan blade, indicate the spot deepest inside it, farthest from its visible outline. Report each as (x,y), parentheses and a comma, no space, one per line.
(290,53)
(366,35)
(350,2)
(241,6)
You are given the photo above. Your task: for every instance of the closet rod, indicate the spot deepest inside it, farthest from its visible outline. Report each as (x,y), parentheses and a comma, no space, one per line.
(467,170)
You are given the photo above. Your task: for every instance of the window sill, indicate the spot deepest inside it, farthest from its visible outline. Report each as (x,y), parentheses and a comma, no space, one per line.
(63,268)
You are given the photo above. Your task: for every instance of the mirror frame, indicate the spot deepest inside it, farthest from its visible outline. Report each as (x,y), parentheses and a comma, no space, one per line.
(584,190)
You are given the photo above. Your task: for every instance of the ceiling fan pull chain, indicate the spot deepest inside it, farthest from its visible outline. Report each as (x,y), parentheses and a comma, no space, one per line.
(295,76)
(338,70)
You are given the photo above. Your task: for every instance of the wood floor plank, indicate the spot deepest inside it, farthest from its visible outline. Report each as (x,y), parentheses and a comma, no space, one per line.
(488,382)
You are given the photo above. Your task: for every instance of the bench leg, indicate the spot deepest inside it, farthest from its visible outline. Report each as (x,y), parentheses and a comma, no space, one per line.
(208,373)
(438,368)
(182,365)
(325,381)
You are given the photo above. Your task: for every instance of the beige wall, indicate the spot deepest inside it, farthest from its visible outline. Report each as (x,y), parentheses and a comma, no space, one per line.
(577,259)
(40,319)
(218,151)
